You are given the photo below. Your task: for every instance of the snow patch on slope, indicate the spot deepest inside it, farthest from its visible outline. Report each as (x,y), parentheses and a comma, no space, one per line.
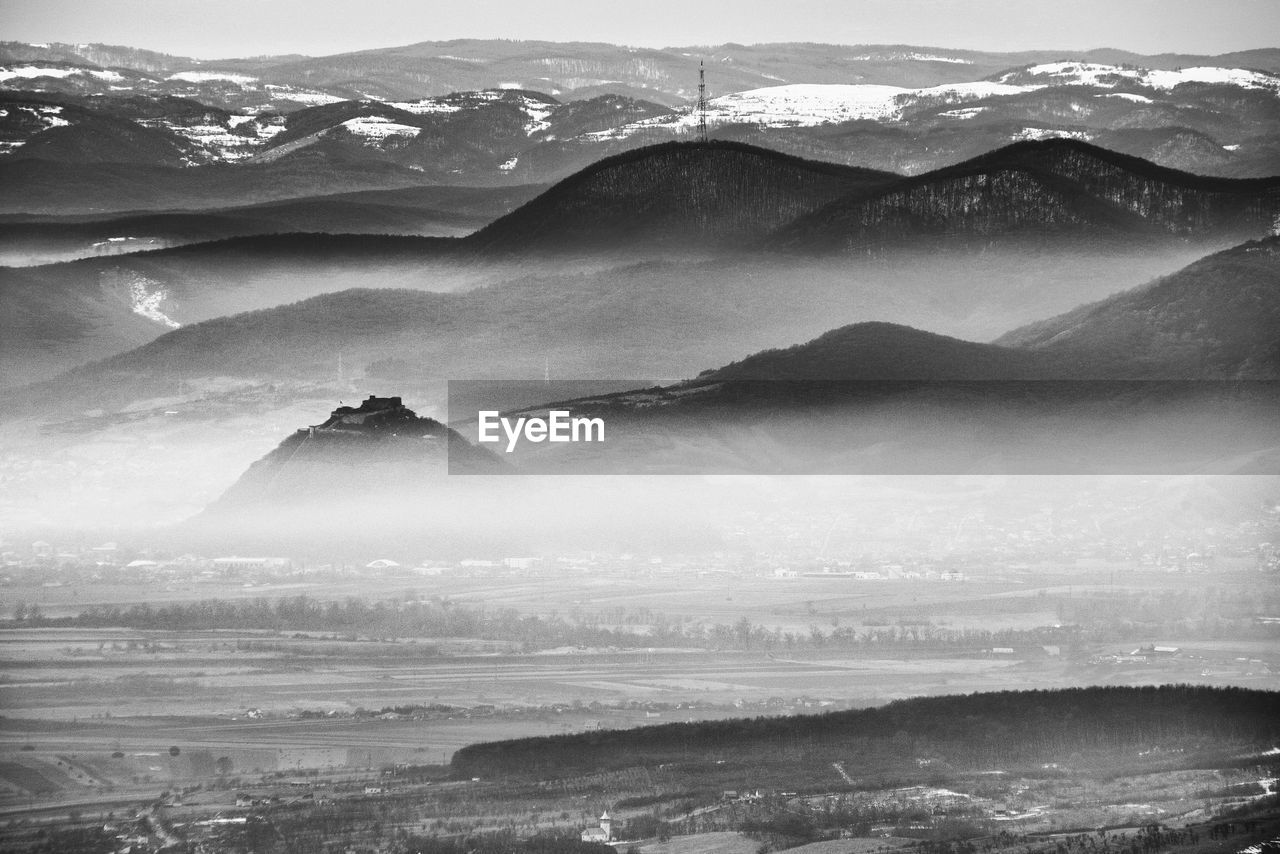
(426,106)
(1050,133)
(209,76)
(217,143)
(1207,74)
(300,96)
(912,56)
(50,115)
(378,128)
(1109,76)
(47,115)
(31,72)
(146,302)
(965,113)
(538,112)
(809,104)
(1127,96)
(805,104)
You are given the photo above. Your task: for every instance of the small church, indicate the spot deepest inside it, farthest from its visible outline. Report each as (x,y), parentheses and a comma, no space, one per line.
(603,833)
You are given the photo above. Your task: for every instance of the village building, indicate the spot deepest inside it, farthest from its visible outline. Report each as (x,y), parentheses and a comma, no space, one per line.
(603,833)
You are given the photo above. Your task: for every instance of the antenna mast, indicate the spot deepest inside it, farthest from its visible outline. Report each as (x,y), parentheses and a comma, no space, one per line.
(702,103)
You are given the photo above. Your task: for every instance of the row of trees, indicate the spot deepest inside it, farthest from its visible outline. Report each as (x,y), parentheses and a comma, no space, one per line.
(437,618)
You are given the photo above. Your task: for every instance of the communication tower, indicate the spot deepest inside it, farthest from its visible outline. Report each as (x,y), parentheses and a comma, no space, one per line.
(702,103)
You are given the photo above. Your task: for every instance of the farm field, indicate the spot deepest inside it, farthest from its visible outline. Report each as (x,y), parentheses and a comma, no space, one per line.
(991,599)
(77,675)
(98,720)
(704,843)
(76,711)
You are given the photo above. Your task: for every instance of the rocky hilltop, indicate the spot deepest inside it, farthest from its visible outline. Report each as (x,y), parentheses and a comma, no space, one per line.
(380,446)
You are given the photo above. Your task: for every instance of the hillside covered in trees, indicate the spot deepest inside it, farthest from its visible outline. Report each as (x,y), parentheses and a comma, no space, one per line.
(675,194)
(1095,726)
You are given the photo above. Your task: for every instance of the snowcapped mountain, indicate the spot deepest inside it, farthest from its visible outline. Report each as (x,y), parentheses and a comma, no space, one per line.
(151,109)
(806,105)
(211,135)
(567,71)
(1203,119)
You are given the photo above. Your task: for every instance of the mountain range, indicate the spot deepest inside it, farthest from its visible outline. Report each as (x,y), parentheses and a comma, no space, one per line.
(240,243)
(1039,187)
(577,69)
(431,211)
(1178,375)
(460,113)
(650,211)
(1115,387)
(1212,320)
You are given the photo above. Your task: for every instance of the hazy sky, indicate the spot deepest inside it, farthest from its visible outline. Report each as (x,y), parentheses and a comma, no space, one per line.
(224,28)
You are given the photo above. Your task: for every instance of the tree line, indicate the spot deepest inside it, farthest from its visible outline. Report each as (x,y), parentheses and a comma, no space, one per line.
(1099,621)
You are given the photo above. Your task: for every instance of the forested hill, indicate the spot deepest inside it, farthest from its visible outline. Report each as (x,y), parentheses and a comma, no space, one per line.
(977,732)
(1216,318)
(1037,189)
(880,351)
(716,194)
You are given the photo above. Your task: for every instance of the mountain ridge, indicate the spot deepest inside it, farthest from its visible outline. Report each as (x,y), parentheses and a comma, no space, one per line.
(1033,183)
(640,204)
(524,126)
(1216,317)
(510,59)
(874,350)
(674,193)
(1235,292)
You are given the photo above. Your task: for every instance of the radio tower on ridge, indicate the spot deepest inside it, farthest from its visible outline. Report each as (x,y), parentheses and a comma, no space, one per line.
(702,103)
